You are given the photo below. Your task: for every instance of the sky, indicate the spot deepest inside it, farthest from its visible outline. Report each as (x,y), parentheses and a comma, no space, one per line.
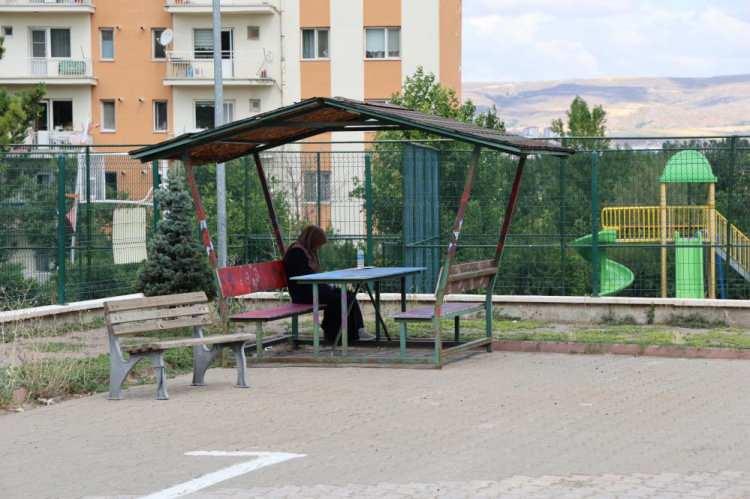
(531,40)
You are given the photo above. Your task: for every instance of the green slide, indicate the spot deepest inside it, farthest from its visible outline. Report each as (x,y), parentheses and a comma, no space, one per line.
(689,266)
(613,276)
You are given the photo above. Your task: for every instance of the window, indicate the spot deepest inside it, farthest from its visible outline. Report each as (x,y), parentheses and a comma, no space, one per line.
(7,30)
(253,32)
(382,43)
(203,43)
(204,113)
(160,116)
(110,185)
(158,51)
(62,115)
(44,179)
(254,106)
(59,42)
(315,43)
(46,43)
(107,36)
(311,186)
(108,116)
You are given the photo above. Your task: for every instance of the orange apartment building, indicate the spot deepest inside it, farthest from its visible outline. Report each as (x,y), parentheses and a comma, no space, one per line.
(103,63)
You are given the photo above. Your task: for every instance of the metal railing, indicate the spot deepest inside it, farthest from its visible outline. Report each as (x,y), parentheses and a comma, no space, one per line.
(57,67)
(199,65)
(642,224)
(224,3)
(49,3)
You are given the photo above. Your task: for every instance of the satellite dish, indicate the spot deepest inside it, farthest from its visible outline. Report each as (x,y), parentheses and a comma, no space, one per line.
(166,37)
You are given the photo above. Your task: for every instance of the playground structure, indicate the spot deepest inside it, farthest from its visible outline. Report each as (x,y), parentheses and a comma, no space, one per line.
(690,228)
(319,115)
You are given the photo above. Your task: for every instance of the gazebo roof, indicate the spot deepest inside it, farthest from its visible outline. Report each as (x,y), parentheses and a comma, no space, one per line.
(325,114)
(688,167)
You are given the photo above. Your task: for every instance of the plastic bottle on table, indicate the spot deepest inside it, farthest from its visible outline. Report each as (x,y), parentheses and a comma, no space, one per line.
(360,259)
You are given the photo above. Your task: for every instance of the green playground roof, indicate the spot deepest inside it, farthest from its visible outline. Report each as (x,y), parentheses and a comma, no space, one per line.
(688,167)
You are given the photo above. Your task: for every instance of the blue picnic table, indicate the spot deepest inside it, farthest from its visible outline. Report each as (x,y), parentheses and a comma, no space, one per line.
(358,277)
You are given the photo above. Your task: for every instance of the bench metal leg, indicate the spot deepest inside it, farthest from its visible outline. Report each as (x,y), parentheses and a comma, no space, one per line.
(118,372)
(488,320)
(160,371)
(402,339)
(202,358)
(438,342)
(457,329)
(259,340)
(241,361)
(295,331)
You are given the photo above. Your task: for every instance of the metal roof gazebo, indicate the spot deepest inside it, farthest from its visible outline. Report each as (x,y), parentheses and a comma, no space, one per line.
(319,115)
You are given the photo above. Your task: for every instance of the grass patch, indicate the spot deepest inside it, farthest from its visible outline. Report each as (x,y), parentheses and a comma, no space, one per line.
(694,321)
(58,347)
(10,332)
(53,378)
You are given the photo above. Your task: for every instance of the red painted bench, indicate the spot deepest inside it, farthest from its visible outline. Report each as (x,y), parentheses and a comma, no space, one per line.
(256,277)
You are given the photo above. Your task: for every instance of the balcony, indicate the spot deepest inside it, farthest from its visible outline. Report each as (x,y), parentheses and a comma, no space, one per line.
(28,6)
(49,138)
(227,7)
(51,71)
(238,69)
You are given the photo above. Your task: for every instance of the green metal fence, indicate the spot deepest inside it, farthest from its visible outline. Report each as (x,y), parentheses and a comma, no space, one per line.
(75,221)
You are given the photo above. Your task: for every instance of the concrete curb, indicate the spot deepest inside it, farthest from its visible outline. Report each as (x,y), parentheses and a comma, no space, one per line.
(619,349)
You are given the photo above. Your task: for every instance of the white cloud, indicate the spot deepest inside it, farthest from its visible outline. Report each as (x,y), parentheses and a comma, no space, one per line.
(554,39)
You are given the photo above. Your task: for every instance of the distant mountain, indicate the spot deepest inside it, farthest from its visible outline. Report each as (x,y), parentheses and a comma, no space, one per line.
(635,106)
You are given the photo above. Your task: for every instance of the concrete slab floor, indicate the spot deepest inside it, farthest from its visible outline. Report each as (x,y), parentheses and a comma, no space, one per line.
(495,425)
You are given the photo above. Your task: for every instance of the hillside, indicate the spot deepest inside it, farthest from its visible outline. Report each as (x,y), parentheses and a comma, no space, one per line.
(635,106)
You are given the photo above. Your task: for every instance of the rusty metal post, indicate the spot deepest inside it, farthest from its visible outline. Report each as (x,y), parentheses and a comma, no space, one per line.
(269,204)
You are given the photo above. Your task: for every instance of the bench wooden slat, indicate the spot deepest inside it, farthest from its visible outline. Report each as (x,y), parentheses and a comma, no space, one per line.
(158,313)
(244,279)
(427,313)
(275,313)
(156,301)
(189,342)
(159,325)
(470,275)
(460,268)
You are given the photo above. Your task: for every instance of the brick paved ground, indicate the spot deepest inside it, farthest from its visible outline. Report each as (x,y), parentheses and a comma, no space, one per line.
(499,425)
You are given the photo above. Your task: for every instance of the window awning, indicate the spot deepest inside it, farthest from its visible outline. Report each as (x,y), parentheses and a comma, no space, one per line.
(325,114)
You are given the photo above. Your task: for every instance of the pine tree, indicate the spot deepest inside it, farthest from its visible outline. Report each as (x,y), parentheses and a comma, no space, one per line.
(176,261)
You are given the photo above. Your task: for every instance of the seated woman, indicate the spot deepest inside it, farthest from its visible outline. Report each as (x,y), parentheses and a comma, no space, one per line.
(301,258)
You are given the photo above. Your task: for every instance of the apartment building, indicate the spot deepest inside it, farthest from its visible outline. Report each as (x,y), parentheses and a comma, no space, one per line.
(104,62)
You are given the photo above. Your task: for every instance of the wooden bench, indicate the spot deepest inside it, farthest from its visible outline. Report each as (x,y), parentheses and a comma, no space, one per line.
(165,313)
(461,277)
(256,277)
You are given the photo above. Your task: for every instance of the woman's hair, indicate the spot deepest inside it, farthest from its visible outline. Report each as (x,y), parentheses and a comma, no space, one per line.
(310,240)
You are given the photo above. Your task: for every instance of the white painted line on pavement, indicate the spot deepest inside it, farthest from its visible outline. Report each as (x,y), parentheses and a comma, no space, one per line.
(262,459)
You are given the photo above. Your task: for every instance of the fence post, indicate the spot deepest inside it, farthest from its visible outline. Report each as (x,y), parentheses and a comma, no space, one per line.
(246,207)
(368,208)
(61,229)
(87,153)
(317,189)
(156,184)
(595,262)
(561,223)
(730,213)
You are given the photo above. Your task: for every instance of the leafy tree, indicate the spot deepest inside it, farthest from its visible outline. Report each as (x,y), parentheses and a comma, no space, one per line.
(18,111)
(582,122)
(177,262)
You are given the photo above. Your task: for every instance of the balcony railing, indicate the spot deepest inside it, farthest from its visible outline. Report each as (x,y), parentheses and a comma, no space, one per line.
(248,6)
(47,5)
(50,137)
(250,67)
(59,68)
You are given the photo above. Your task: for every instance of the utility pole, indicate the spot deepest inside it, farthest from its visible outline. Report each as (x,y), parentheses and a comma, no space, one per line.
(221,179)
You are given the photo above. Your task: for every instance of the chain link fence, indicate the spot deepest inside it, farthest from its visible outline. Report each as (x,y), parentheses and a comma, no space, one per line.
(635,217)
